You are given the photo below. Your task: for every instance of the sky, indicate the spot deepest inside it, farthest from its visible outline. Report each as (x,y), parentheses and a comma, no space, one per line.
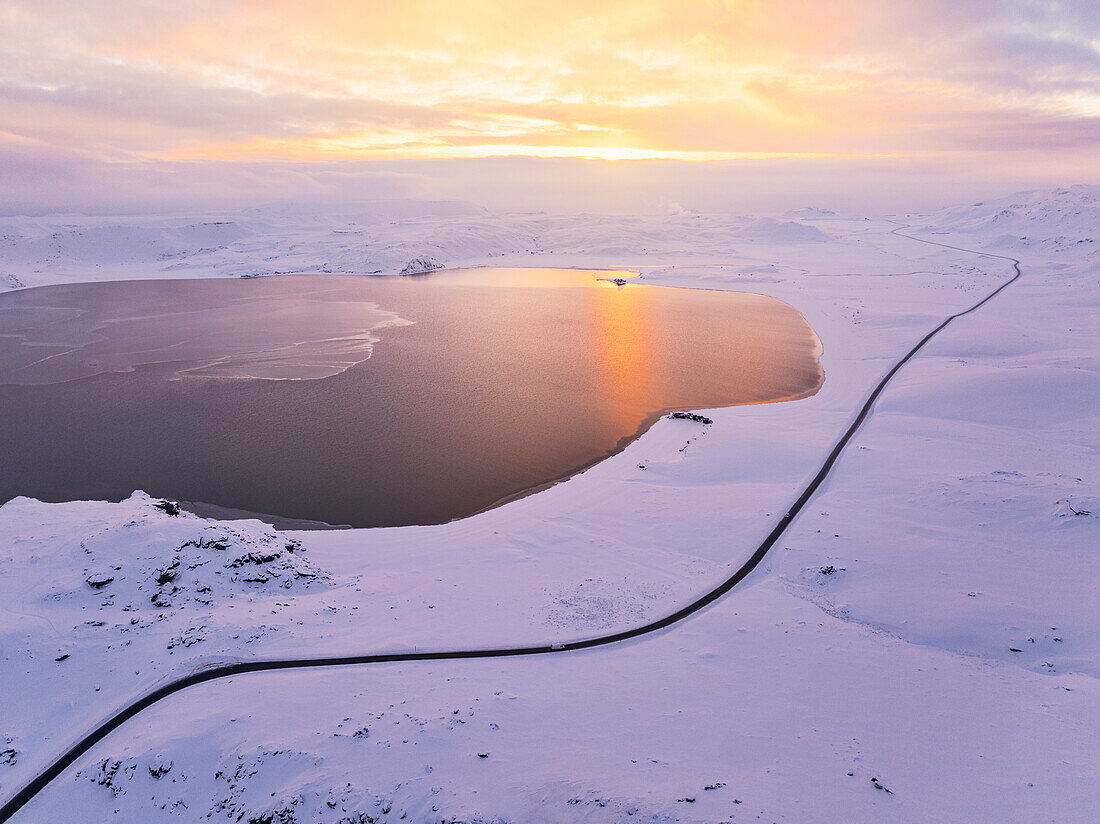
(602,104)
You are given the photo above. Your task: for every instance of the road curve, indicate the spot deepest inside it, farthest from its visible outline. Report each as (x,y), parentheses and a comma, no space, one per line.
(39,782)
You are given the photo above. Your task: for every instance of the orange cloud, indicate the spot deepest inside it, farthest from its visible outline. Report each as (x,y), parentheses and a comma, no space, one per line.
(694,80)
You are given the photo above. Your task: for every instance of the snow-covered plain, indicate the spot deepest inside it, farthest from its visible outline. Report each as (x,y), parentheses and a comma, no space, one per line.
(921,645)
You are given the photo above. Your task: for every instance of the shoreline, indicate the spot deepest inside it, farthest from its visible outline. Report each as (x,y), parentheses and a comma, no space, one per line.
(625,350)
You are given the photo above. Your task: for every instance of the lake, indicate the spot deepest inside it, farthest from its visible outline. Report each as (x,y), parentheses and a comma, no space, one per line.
(367,401)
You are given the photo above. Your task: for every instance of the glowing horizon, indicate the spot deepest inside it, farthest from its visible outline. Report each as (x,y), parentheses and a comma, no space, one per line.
(319,149)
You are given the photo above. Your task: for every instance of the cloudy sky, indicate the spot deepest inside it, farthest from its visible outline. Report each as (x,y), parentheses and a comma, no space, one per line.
(222,100)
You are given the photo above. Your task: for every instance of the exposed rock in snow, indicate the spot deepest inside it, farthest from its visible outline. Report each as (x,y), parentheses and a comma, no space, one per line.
(690,416)
(168,507)
(421,266)
(196,562)
(98,580)
(161,765)
(110,773)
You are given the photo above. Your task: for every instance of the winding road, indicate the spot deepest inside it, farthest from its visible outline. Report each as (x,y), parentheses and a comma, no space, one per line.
(39,782)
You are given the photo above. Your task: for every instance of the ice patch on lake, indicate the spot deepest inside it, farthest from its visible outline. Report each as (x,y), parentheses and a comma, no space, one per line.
(267,339)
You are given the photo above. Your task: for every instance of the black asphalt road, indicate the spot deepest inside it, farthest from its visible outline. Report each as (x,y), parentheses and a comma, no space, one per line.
(21,798)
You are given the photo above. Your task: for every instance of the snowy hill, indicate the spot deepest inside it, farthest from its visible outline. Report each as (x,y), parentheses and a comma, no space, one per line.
(1053,221)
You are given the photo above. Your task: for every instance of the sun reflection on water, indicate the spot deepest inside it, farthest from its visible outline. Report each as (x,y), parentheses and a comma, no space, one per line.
(622,325)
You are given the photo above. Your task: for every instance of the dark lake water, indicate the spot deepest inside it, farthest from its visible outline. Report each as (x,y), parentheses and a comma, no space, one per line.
(366,401)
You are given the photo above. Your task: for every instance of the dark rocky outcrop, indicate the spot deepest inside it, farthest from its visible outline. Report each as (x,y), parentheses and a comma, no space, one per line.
(421,266)
(169,507)
(690,416)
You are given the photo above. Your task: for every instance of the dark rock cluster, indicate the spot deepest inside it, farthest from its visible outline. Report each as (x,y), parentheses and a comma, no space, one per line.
(690,416)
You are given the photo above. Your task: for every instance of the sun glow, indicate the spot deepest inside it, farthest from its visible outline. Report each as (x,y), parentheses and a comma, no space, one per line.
(353,147)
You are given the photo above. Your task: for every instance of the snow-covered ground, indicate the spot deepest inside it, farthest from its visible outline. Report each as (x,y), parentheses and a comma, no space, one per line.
(921,646)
